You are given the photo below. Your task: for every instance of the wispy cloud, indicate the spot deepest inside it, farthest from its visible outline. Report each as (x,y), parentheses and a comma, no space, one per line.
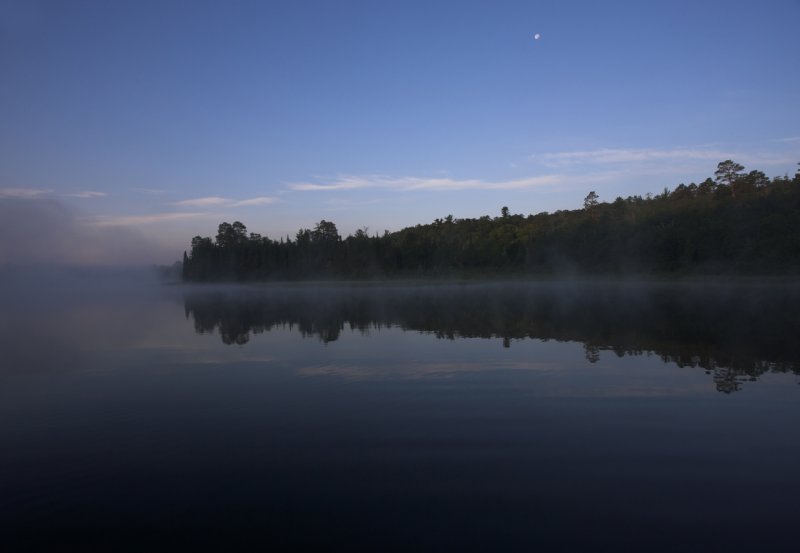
(133,220)
(226,202)
(788,139)
(203,202)
(622,155)
(407,184)
(607,156)
(347,202)
(571,168)
(23,193)
(260,200)
(86,194)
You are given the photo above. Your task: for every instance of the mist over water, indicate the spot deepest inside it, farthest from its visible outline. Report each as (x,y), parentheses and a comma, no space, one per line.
(736,331)
(554,415)
(46,231)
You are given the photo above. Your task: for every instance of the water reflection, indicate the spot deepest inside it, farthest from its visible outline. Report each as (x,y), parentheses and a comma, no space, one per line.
(735,332)
(115,415)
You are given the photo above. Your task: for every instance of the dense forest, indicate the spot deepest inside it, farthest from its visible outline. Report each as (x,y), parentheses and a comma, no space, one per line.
(738,223)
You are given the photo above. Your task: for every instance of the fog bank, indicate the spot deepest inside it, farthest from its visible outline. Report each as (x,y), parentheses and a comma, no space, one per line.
(46,231)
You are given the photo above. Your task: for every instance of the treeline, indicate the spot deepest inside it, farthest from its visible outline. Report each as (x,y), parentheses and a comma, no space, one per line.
(739,222)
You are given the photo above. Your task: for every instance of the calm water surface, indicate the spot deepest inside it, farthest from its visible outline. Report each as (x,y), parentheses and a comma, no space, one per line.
(481,416)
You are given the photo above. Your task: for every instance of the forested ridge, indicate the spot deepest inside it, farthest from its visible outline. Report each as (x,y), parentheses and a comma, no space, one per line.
(736,223)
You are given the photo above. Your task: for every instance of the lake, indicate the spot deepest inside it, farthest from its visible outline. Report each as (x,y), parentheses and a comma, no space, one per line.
(553,416)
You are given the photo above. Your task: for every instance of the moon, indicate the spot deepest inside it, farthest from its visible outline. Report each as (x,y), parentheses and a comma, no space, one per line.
(537,36)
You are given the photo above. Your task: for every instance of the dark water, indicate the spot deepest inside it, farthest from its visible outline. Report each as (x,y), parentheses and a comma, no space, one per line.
(473,417)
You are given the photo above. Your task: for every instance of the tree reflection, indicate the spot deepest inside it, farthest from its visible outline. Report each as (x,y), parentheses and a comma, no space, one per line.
(735,332)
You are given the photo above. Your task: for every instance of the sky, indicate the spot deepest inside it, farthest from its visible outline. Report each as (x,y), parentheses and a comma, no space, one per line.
(126,128)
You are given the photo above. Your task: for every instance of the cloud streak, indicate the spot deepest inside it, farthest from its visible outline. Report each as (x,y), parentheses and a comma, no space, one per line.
(410,184)
(23,193)
(217,201)
(607,156)
(41,193)
(133,220)
(261,200)
(86,194)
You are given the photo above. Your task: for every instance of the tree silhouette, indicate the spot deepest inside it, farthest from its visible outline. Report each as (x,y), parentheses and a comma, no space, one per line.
(727,173)
(590,200)
(736,223)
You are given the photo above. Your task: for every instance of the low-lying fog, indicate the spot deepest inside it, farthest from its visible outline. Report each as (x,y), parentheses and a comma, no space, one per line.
(750,327)
(47,231)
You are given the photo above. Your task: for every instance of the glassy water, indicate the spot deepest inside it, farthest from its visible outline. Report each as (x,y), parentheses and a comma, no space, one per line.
(395,417)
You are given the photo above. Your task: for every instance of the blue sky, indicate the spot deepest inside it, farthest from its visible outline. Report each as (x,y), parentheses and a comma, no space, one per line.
(157,120)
